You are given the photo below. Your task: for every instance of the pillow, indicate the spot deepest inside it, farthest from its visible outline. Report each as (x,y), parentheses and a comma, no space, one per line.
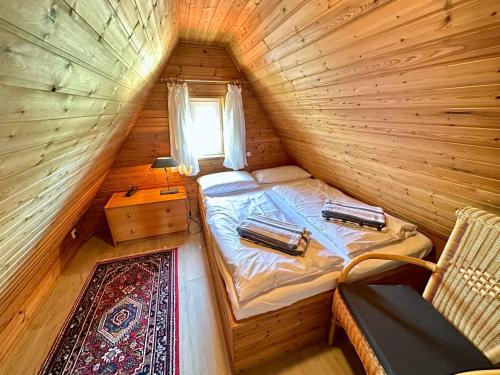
(226,182)
(280,174)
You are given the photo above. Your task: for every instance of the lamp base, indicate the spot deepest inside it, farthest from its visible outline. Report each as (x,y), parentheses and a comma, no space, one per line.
(169,191)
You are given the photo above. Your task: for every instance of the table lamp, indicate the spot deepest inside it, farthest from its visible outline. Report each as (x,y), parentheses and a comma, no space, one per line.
(166,163)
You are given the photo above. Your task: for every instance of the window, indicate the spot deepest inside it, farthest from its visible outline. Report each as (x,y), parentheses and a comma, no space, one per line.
(207,121)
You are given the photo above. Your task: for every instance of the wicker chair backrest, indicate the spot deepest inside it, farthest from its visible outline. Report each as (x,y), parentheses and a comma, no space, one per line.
(465,288)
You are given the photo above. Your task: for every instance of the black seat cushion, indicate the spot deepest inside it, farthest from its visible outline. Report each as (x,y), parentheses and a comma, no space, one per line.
(407,334)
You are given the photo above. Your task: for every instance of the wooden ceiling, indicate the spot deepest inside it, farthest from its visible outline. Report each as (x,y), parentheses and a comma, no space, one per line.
(395,102)
(218,21)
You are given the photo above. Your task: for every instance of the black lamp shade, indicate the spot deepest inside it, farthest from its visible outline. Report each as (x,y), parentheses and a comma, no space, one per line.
(164,162)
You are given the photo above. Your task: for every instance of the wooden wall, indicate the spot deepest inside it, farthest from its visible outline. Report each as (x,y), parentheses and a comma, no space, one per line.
(73,74)
(396,102)
(150,136)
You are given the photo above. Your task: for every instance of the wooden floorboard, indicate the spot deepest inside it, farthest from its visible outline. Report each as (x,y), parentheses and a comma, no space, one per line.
(202,348)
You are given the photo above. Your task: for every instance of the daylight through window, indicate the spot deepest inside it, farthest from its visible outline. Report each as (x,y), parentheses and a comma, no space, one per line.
(207,118)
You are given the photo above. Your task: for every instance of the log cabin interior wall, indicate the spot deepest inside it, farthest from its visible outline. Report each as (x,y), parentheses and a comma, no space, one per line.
(150,136)
(394,101)
(72,76)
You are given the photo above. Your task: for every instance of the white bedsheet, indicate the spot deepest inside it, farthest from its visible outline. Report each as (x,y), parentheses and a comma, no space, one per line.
(417,246)
(307,198)
(279,297)
(255,269)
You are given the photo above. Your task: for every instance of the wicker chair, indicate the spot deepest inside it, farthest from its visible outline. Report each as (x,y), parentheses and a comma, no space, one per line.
(463,288)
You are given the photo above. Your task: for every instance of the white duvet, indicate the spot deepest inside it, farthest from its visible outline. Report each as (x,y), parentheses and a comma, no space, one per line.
(256,270)
(306,197)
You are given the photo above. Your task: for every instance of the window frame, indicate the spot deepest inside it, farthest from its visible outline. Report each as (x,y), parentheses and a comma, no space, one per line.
(220,100)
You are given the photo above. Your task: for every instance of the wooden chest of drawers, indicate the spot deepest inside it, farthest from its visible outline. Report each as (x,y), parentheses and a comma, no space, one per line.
(146,213)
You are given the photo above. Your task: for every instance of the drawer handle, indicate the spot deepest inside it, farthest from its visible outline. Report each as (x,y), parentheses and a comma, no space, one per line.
(129,214)
(168,210)
(132,230)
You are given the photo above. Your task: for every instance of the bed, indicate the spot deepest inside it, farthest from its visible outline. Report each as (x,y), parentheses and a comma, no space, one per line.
(279,312)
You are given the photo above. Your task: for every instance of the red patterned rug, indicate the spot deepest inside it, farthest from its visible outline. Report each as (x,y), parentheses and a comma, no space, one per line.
(125,320)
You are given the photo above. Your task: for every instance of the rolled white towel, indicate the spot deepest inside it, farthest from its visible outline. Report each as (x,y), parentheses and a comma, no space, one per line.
(400,228)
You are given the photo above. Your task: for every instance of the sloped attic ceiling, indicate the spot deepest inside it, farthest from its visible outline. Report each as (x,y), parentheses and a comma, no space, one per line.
(395,102)
(72,75)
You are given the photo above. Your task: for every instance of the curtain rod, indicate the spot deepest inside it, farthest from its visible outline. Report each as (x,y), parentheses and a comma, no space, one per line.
(209,81)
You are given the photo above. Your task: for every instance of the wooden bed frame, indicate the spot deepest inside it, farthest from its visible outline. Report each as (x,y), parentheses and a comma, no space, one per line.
(254,340)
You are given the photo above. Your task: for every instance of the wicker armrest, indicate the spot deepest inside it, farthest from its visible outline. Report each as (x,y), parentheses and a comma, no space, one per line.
(400,258)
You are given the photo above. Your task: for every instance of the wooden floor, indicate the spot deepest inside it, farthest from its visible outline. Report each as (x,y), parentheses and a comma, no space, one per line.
(202,348)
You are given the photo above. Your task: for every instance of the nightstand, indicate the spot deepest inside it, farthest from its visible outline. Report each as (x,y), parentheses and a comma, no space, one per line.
(146,214)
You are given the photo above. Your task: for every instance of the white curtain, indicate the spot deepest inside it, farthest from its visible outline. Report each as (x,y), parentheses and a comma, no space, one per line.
(181,129)
(234,129)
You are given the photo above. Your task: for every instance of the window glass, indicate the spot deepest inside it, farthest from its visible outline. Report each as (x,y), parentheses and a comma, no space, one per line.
(207,118)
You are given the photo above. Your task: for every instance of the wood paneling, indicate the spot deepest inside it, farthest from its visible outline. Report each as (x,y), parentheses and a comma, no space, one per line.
(73,76)
(396,102)
(150,136)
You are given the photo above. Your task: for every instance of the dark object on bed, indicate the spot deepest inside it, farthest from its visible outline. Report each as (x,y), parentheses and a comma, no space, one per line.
(359,214)
(278,235)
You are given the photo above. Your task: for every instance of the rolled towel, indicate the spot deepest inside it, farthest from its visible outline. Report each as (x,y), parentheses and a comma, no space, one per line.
(278,235)
(401,228)
(352,213)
